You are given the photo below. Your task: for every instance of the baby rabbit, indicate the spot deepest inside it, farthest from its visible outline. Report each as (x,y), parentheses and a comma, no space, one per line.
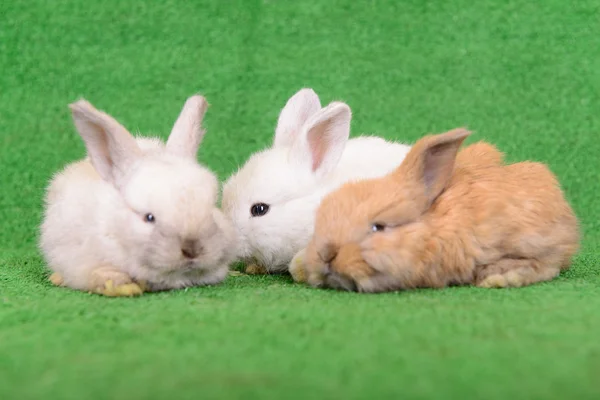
(136,215)
(440,219)
(273,198)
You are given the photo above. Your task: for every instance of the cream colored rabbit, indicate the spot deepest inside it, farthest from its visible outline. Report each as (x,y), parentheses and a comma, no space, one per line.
(136,215)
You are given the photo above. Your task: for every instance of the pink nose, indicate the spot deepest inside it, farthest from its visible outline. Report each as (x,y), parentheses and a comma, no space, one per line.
(191,248)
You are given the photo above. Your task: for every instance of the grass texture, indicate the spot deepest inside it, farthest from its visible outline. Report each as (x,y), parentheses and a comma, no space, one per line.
(523,74)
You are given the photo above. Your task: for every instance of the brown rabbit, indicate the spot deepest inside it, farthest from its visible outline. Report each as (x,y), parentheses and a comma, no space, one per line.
(442,219)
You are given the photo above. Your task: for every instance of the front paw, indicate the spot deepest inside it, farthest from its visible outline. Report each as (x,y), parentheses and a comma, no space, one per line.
(297,267)
(111,282)
(255,269)
(122,290)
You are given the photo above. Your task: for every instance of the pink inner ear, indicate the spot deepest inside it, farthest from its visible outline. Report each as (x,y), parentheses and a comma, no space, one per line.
(318,142)
(317,151)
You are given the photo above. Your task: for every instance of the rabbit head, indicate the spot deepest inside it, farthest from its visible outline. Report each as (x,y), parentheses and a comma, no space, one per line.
(370,234)
(272,199)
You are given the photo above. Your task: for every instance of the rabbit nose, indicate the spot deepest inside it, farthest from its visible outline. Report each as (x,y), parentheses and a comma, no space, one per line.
(328,253)
(191,248)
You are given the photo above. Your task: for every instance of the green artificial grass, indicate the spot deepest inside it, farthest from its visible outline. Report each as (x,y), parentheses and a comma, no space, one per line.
(524,75)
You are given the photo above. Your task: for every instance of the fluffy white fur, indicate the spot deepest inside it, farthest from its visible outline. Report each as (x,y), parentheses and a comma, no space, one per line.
(310,157)
(95,208)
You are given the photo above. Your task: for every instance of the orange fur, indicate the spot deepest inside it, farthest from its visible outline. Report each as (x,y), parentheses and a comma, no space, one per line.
(449,218)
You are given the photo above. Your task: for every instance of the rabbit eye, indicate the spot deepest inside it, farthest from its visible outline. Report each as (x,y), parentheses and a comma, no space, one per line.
(259,209)
(377,228)
(149,218)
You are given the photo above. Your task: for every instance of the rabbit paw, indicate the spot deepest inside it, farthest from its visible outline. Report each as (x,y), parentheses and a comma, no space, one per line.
(494,281)
(254,269)
(297,268)
(57,279)
(124,290)
(112,283)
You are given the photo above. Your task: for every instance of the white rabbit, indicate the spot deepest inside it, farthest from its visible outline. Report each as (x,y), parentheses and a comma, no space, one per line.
(272,199)
(136,215)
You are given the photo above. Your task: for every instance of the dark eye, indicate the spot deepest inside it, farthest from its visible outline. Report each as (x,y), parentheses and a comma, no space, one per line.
(259,209)
(377,227)
(149,218)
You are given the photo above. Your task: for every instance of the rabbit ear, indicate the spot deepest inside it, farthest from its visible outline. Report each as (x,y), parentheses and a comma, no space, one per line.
(187,133)
(298,109)
(323,138)
(430,163)
(110,147)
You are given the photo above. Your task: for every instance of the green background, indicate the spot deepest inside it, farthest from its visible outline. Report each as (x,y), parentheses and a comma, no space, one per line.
(524,75)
